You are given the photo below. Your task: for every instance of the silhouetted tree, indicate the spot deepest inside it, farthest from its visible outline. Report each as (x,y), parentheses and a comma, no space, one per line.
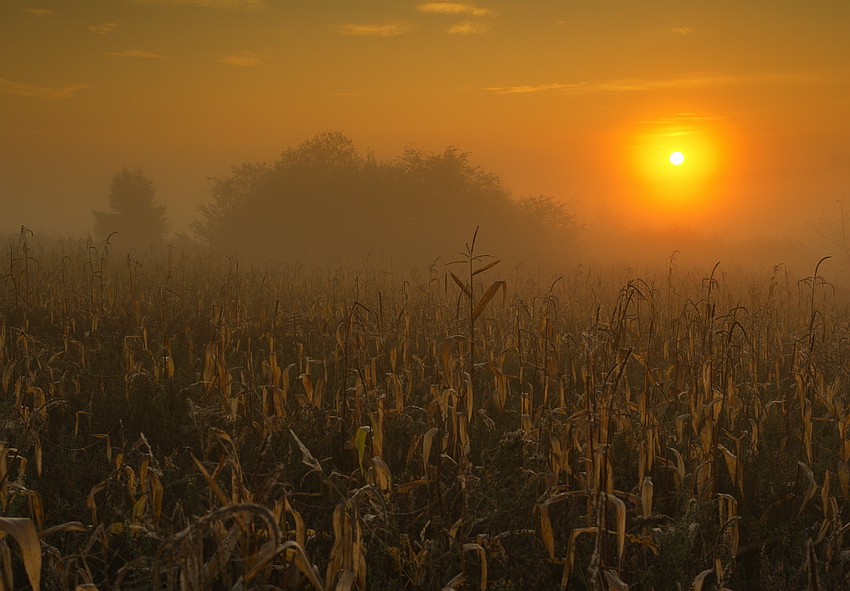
(324,198)
(133,215)
(228,196)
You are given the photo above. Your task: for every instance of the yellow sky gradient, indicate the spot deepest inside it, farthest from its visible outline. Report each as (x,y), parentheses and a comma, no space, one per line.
(579,99)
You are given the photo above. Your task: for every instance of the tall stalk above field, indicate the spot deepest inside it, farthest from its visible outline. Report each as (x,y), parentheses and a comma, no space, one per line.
(470,260)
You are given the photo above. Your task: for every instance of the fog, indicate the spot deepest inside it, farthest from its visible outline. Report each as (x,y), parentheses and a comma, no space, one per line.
(324,201)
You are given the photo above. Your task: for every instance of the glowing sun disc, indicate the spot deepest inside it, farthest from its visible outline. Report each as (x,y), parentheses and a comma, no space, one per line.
(677,158)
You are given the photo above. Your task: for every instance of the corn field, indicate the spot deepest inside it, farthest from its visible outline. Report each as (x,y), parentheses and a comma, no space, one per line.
(195,422)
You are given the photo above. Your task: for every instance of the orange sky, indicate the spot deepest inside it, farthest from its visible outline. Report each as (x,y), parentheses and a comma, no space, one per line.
(579,99)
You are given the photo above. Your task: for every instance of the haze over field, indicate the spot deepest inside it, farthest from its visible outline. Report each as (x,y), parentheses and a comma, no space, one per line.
(425,294)
(582,101)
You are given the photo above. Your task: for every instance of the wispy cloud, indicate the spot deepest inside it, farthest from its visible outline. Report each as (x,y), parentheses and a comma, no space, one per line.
(244,58)
(468,9)
(387,30)
(103,28)
(41,12)
(525,89)
(135,53)
(679,124)
(468,29)
(453,8)
(695,80)
(219,4)
(681,118)
(681,30)
(21,89)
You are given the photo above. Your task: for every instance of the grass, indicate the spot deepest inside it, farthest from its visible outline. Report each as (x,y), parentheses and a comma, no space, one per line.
(197,422)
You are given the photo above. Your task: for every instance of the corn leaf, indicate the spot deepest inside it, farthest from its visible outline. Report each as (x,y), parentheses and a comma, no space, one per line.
(462,285)
(488,295)
(23,530)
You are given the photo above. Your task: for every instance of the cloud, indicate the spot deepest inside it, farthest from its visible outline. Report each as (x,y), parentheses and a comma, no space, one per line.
(694,80)
(244,58)
(701,80)
(529,89)
(389,30)
(681,30)
(41,12)
(103,28)
(453,8)
(684,117)
(467,29)
(219,4)
(135,53)
(679,124)
(20,89)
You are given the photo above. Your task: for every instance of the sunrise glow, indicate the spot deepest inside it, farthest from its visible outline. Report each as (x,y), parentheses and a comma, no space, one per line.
(184,89)
(676,167)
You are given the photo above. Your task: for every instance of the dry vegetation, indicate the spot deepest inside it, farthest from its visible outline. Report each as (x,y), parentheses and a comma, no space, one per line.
(189,423)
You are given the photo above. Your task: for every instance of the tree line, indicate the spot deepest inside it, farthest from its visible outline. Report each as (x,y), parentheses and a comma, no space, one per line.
(324,199)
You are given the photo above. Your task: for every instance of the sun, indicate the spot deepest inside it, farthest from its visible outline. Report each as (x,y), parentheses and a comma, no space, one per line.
(675,166)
